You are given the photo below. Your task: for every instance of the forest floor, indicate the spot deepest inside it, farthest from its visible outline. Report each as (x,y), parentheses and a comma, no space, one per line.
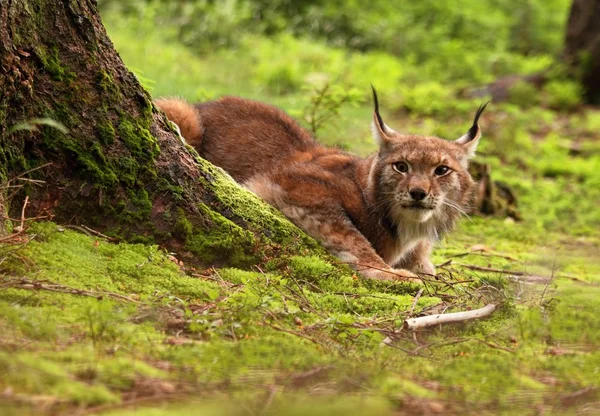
(93,326)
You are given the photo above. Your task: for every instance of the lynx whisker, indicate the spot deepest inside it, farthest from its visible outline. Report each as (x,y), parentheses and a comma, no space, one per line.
(458,208)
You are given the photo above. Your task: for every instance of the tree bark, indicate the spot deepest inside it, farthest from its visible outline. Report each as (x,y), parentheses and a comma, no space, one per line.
(582,46)
(491,197)
(121,167)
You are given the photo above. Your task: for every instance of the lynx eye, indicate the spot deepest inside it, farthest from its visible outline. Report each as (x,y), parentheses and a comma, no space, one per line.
(441,170)
(400,167)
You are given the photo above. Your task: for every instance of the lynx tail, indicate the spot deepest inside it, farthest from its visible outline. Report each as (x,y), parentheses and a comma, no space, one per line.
(185,116)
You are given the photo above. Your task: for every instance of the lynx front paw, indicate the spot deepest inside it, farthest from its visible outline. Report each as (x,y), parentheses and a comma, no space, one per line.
(426,267)
(391,274)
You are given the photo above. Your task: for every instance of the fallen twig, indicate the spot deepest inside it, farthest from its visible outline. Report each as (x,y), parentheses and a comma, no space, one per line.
(492,345)
(446,263)
(87,231)
(517,274)
(22,226)
(431,320)
(289,331)
(414,304)
(548,284)
(483,254)
(490,269)
(401,277)
(27,284)
(454,341)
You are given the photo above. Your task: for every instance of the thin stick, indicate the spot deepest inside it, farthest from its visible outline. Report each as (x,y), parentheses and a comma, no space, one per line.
(402,277)
(272,390)
(22,226)
(431,320)
(98,233)
(446,263)
(515,273)
(54,287)
(29,171)
(548,284)
(482,253)
(492,345)
(414,304)
(288,331)
(490,269)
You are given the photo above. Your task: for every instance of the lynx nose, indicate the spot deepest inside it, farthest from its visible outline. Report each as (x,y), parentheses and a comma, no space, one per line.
(417,194)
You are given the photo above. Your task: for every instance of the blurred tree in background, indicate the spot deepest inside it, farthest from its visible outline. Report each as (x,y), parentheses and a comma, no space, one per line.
(582,46)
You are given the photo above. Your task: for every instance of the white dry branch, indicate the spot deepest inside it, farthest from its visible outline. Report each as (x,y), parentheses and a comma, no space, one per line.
(431,320)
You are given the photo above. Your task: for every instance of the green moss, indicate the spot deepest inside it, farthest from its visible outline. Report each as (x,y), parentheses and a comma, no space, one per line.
(127,168)
(342,314)
(90,161)
(247,206)
(105,132)
(122,372)
(105,172)
(138,140)
(397,390)
(51,62)
(140,204)
(106,83)
(29,373)
(123,268)
(311,268)
(220,240)
(238,276)
(183,228)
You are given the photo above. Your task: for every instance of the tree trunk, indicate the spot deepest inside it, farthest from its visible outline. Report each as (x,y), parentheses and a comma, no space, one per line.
(491,197)
(582,46)
(121,167)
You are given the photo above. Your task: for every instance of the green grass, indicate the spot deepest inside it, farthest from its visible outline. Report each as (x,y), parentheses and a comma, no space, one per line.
(97,325)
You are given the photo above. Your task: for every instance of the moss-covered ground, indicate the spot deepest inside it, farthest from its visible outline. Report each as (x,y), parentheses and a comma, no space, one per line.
(91,324)
(88,325)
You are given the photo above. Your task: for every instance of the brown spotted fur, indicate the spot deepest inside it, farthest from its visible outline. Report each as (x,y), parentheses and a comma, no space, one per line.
(359,208)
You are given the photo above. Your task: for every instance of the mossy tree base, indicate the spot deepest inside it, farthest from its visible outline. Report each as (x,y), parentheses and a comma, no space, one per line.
(121,168)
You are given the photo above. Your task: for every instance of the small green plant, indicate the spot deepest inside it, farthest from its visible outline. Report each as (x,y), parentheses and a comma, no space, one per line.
(146,82)
(34,123)
(326,102)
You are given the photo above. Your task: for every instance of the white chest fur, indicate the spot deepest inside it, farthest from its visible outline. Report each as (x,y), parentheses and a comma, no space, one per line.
(408,235)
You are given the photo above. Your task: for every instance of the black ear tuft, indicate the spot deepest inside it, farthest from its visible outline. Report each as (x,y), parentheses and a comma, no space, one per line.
(376,104)
(472,133)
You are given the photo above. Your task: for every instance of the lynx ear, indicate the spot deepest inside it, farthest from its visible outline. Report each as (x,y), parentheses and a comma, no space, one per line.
(381,132)
(470,140)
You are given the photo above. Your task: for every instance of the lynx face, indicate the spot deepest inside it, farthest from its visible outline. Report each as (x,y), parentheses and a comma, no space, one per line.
(422,178)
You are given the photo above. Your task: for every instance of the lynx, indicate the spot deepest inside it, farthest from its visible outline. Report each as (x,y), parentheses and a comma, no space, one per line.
(380,214)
